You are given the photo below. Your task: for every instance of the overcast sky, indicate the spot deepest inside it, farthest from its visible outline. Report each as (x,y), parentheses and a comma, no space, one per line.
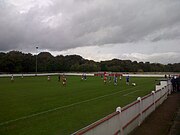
(142,30)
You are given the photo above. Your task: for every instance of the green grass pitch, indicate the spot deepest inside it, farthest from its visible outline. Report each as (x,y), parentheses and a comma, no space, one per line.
(34,106)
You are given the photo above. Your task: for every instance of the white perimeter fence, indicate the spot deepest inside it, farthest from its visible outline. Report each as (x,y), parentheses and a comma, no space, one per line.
(79,74)
(126,119)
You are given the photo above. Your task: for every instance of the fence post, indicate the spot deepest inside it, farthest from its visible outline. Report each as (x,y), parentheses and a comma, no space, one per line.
(154,102)
(162,90)
(118,109)
(140,110)
(166,91)
(169,89)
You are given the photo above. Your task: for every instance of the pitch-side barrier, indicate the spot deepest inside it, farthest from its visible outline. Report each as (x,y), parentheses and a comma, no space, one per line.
(80,74)
(126,119)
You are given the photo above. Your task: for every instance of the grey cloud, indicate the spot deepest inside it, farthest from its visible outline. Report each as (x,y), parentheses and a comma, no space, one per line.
(74,23)
(99,53)
(164,58)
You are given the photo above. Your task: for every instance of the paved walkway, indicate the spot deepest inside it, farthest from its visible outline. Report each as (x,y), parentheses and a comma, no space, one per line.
(175,129)
(165,120)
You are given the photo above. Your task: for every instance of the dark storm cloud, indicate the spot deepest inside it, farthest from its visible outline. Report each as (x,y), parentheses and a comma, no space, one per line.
(60,25)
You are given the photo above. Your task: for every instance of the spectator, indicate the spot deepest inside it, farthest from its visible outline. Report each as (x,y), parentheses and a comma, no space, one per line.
(178,83)
(173,81)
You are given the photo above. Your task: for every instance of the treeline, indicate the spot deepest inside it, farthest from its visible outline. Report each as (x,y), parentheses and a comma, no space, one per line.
(18,62)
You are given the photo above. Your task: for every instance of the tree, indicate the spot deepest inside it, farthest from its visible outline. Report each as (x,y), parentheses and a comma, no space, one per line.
(17,62)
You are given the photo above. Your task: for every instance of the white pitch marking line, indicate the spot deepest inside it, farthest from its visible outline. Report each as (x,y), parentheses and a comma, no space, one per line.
(131,92)
(61,107)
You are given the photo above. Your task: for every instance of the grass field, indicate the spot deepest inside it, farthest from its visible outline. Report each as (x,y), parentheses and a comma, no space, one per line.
(34,106)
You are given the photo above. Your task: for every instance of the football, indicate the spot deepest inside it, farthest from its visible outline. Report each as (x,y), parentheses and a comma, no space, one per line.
(133,84)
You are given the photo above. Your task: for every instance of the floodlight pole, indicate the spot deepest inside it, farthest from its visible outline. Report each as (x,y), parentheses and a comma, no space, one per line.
(36,58)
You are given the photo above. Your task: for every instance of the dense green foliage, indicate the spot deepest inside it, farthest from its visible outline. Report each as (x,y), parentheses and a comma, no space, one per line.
(15,61)
(80,103)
